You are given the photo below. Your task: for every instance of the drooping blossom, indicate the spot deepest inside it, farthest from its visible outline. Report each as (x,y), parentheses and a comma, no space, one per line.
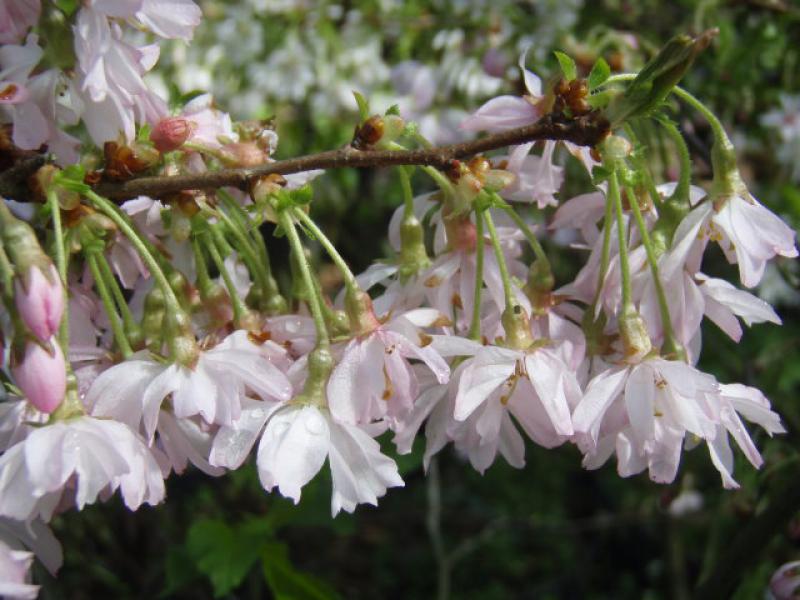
(14,574)
(133,391)
(643,412)
(74,461)
(374,379)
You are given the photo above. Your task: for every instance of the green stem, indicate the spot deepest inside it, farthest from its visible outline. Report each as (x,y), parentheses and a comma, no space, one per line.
(239,309)
(108,304)
(681,193)
(508,291)
(111,283)
(441,179)
(58,232)
(475,324)
(112,212)
(314,304)
(61,264)
(6,274)
(308,222)
(408,195)
(625,270)
(203,278)
(605,252)
(642,167)
(669,334)
(534,243)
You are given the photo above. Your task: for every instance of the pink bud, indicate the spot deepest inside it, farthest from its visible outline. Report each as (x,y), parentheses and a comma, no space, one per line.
(41,375)
(40,300)
(171,133)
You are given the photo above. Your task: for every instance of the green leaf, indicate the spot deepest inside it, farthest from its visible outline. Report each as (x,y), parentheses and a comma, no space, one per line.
(599,73)
(568,66)
(363,106)
(219,553)
(394,109)
(287,583)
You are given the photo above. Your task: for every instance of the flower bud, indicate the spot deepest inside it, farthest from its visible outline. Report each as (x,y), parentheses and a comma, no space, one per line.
(785,581)
(171,133)
(39,296)
(41,374)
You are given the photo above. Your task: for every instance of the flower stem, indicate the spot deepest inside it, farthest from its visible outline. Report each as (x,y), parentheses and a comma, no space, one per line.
(605,252)
(408,195)
(239,309)
(475,324)
(670,343)
(314,304)
(508,292)
(108,304)
(534,243)
(61,264)
(625,270)
(112,212)
(681,193)
(110,282)
(308,222)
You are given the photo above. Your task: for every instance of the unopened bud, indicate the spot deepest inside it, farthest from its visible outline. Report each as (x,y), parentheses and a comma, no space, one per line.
(39,297)
(171,133)
(40,373)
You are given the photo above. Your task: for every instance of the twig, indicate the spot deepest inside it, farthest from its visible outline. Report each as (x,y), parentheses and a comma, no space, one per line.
(586,130)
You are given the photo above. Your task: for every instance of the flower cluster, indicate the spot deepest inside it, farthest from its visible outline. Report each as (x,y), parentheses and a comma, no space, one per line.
(155,335)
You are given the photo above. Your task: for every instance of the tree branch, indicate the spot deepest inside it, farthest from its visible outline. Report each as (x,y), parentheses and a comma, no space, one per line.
(586,130)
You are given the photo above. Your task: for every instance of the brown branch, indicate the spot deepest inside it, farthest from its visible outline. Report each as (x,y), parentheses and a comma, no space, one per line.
(586,130)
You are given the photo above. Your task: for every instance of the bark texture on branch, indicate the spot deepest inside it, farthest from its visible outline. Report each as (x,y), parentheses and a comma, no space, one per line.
(586,130)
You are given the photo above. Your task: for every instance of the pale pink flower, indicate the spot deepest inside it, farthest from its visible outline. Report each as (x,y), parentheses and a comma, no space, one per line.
(644,411)
(87,454)
(537,178)
(298,439)
(724,302)
(16,17)
(373,378)
(111,75)
(41,375)
(34,104)
(39,296)
(210,128)
(185,441)
(748,233)
(509,112)
(14,574)
(133,391)
(784,582)
(36,537)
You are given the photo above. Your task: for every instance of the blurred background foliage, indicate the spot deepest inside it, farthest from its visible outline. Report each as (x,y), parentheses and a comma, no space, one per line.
(551,530)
